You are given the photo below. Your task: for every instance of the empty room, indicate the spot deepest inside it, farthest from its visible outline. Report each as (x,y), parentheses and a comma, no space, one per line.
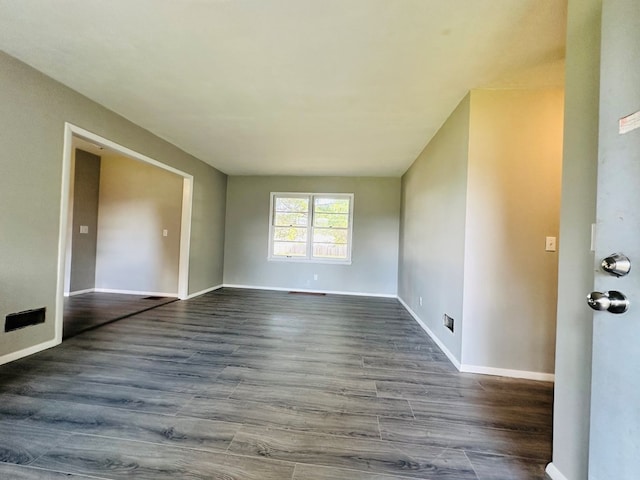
(319,239)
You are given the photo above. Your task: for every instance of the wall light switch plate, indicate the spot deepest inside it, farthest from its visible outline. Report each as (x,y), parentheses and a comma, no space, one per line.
(165,233)
(550,244)
(84,228)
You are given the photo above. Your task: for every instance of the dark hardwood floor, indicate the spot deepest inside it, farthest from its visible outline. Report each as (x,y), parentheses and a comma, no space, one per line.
(90,310)
(241,384)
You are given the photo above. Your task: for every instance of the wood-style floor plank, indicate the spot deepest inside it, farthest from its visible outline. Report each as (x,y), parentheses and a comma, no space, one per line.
(371,456)
(23,444)
(497,416)
(319,401)
(468,437)
(256,385)
(285,417)
(123,459)
(21,472)
(499,467)
(97,394)
(316,472)
(267,377)
(195,433)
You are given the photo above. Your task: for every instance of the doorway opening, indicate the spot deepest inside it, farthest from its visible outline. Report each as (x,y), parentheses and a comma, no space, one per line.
(156,226)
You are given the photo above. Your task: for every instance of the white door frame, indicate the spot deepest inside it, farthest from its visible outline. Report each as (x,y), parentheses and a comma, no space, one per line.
(70,131)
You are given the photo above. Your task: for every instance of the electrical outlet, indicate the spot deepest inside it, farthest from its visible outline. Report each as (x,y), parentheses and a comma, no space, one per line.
(448,321)
(315,276)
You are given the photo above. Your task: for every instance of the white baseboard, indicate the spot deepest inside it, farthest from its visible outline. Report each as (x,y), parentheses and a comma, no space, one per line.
(305,290)
(554,473)
(501,372)
(202,292)
(135,292)
(10,357)
(447,352)
(505,372)
(79,292)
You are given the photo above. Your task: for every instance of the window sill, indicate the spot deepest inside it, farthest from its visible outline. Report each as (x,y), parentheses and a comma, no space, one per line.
(309,260)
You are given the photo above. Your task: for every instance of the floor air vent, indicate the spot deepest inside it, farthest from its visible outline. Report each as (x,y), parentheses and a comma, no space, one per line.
(15,321)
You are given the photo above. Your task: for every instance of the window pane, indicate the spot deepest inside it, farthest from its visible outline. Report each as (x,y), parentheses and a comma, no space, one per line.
(331,205)
(287,219)
(289,249)
(292,204)
(326,250)
(309,226)
(290,234)
(338,220)
(329,235)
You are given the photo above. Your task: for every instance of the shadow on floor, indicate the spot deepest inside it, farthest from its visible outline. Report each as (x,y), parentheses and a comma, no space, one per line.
(90,310)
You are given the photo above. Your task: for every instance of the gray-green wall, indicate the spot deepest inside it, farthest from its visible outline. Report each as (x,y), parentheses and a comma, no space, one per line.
(85,213)
(578,211)
(513,204)
(34,111)
(432,228)
(375,236)
(477,205)
(137,202)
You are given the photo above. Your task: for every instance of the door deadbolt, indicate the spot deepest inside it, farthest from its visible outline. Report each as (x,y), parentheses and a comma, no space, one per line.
(616,264)
(612,301)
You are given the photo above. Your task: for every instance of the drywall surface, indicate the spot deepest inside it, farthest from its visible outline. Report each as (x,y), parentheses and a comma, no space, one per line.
(138,202)
(513,203)
(574,331)
(431,265)
(34,111)
(374,267)
(86,180)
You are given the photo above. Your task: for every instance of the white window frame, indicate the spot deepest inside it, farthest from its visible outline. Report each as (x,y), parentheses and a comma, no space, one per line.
(309,256)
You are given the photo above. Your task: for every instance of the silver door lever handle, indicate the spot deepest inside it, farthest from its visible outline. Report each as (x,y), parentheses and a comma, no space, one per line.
(612,301)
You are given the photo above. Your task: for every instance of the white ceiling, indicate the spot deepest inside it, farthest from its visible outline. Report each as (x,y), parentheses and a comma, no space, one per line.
(296,87)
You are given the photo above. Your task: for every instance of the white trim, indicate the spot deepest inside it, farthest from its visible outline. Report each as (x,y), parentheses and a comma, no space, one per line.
(94,138)
(185,238)
(501,372)
(445,350)
(70,131)
(554,473)
(202,292)
(62,232)
(325,261)
(134,292)
(25,352)
(80,292)
(505,372)
(305,290)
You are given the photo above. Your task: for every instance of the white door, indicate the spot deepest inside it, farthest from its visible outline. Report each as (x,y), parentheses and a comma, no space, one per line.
(614,450)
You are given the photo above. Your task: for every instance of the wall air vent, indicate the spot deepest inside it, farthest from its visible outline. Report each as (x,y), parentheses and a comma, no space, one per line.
(447,321)
(15,321)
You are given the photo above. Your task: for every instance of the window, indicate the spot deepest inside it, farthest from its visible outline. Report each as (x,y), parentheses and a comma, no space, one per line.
(310,227)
